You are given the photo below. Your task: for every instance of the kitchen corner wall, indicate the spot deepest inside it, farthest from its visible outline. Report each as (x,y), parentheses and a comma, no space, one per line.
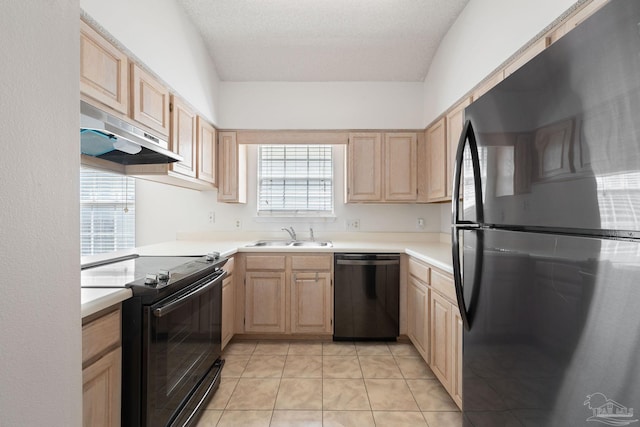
(163,211)
(321,105)
(486,33)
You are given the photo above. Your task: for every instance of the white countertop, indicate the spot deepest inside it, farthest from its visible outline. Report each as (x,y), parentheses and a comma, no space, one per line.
(93,300)
(428,247)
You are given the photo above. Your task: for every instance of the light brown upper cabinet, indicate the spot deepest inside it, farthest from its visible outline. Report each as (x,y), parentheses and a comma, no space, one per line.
(400,167)
(455,123)
(382,167)
(436,176)
(183,137)
(232,167)
(149,101)
(206,140)
(364,167)
(104,75)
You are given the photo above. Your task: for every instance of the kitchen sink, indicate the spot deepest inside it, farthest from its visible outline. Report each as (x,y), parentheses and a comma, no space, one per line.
(311,244)
(290,243)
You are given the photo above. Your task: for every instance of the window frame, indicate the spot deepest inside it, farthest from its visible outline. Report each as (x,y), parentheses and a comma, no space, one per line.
(291,213)
(127,236)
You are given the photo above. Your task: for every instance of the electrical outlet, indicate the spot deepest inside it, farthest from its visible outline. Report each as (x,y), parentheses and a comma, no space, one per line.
(238,224)
(420,224)
(212,217)
(353,224)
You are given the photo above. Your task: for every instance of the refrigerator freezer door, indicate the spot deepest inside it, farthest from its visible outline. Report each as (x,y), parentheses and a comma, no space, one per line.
(555,321)
(559,140)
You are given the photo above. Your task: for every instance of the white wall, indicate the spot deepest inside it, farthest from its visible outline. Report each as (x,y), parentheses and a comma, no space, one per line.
(187,211)
(159,33)
(40,333)
(321,105)
(486,34)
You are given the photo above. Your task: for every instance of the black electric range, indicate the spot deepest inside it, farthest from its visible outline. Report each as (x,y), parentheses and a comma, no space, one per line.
(171,334)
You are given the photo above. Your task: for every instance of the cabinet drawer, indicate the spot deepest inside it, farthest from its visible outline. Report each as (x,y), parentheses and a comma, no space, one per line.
(313,262)
(419,270)
(100,335)
(274,262)
(443,284)
(228,267)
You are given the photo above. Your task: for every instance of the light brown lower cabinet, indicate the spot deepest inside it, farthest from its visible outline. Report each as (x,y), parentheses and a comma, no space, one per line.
(287,294)
(311,303)
(441,339)
(418,316)
(456,353)
(228,310)
(434,324)
(228,303)
(101,370)
(265,301)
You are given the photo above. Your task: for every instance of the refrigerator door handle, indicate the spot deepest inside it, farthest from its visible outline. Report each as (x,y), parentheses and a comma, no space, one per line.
(467,135)
(457,278)
(467,313)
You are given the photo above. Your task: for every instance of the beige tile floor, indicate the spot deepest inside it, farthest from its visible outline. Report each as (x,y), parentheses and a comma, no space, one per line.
(266,383)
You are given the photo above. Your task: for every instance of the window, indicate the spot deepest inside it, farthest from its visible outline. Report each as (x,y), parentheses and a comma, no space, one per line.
(295,180)
(107,212)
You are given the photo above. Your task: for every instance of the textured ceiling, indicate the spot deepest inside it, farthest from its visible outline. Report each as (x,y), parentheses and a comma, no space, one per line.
(322,40)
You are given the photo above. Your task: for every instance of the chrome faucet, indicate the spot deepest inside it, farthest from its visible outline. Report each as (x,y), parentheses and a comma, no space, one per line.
(313,239)
(291,232)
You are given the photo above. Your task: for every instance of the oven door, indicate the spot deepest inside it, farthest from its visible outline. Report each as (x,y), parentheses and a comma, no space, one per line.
(182,342)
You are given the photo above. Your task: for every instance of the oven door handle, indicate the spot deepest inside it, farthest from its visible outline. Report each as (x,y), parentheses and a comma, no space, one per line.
(174,304)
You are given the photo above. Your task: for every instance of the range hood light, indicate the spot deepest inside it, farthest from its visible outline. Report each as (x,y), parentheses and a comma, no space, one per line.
(126,146)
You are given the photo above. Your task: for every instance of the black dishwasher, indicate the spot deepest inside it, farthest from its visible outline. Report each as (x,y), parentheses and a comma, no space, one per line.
(366,297)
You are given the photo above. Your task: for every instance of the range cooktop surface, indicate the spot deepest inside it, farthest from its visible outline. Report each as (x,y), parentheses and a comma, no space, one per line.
(124,273)
(152,277)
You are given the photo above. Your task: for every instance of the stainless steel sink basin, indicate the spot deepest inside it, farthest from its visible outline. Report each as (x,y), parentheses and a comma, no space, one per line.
(262,243)
(312,244)
(290,243)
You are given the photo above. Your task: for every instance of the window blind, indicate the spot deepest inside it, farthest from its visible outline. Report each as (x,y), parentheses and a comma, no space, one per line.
(295,179)
(107,212)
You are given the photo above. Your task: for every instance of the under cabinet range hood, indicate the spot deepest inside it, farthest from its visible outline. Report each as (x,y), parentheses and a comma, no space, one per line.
(107,137)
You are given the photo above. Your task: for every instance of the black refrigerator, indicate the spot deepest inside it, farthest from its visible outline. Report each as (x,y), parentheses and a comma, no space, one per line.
(546,234)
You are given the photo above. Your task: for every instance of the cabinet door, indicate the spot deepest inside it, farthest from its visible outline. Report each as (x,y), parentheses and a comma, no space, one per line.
(455,123)
(418,316)
(364,167)
(265,302)
(456,357)
(437,161)
(400,167)
(101,391)
(183,137)
(232,187)
(103,70)
(228,310)
(441,339)
(206,158)
(311,303)
(149,101)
